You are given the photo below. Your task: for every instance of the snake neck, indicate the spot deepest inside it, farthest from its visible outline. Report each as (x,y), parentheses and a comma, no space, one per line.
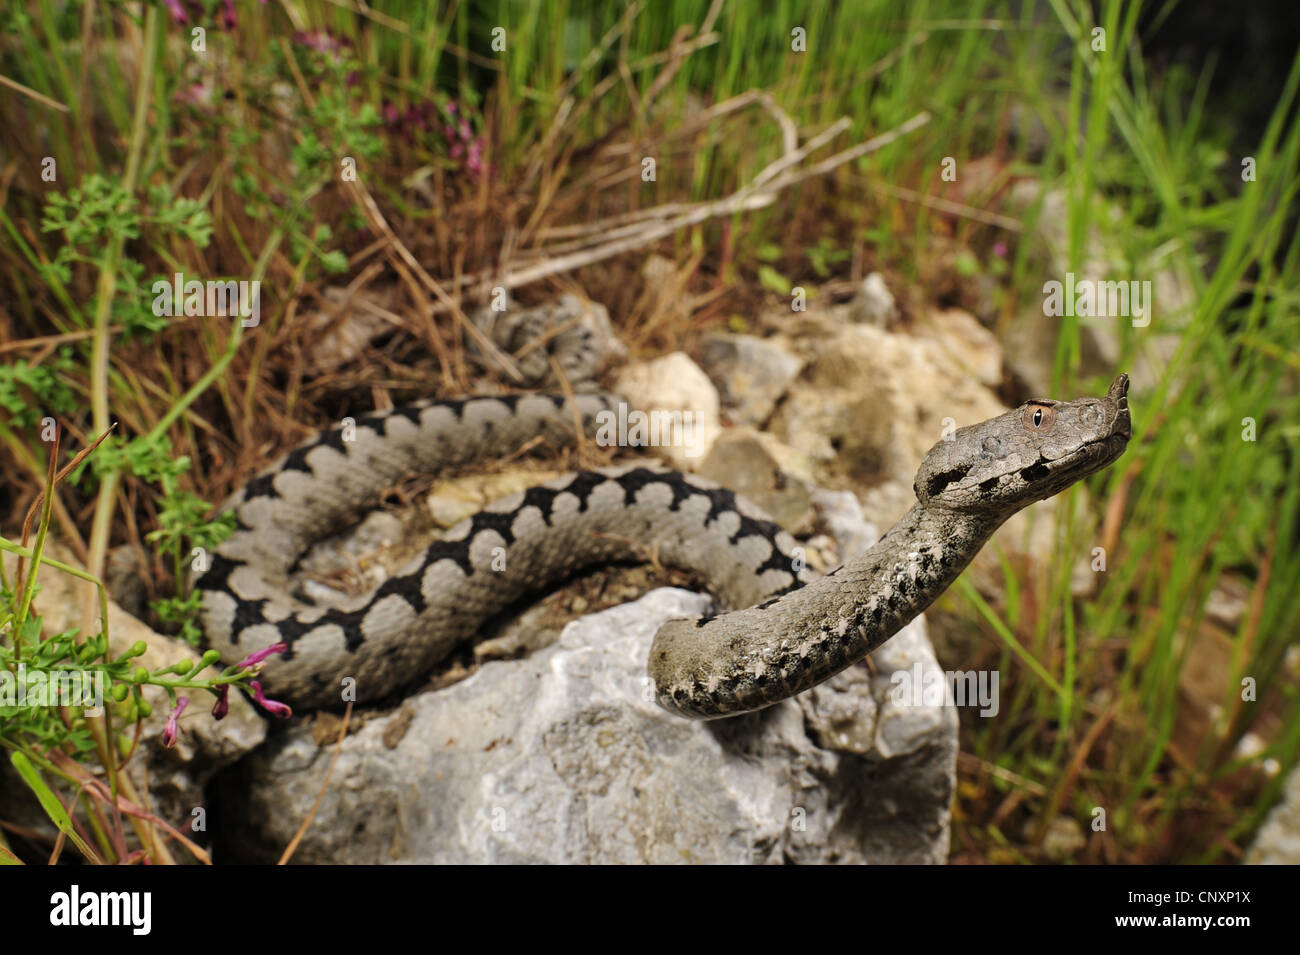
(921,555)
(751,658)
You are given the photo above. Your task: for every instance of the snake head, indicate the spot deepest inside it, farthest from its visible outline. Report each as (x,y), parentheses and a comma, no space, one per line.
(1026,455)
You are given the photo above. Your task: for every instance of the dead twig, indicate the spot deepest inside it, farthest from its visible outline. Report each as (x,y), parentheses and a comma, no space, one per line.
(311,813)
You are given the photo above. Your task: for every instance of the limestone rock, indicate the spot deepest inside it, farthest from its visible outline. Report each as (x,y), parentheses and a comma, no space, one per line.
(565,758)
(667,390)
(966,343)
(751,373)
(870,404)
(758,467)
(452,500)
(874,303)
(841,513)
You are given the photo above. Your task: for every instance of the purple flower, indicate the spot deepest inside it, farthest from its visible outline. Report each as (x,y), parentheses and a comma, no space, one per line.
(271,706)
(323,42)
(253,659)
(172,731)
(196,94)
(179,14)
(177,11)
(222,706)
(474,162)
(463,146)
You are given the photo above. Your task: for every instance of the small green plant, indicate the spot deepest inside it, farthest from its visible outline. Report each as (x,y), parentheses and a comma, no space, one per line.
(29,393)
(825,255)
(184,530)
(72,710)
(99,212)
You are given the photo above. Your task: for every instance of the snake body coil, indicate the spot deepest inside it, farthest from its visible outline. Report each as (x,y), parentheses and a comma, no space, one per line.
(796,629)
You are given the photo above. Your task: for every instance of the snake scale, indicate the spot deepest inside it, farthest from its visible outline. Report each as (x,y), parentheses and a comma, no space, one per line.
(796,629)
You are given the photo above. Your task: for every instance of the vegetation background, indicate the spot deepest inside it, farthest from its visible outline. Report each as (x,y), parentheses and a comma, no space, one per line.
(477,162)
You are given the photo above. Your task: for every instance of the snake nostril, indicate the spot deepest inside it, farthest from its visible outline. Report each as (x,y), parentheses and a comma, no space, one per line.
(941,481)
(1035,472)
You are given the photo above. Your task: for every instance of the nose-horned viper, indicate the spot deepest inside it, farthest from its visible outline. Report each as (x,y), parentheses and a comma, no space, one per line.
(796,629)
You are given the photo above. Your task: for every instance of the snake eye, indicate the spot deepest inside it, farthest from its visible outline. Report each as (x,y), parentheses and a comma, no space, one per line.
(1039,418)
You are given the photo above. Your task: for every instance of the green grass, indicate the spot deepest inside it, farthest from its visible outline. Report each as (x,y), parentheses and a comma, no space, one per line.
(247,185)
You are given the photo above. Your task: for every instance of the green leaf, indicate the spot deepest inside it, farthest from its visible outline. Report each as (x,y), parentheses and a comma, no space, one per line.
(772,280)
(334,262)
(49,802)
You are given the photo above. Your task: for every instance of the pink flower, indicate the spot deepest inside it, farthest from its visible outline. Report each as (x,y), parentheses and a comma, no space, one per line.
(1000,250)
(196,94)
(271,706)
(253,659)
(172,731)
(228,18)
(222,706)
(474,162)
(323,42)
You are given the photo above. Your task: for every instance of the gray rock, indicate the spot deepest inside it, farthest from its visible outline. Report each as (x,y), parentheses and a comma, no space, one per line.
(757,466)
(965,343)
(680,403)
(752,374)
(351,558)
(841,513)
(1278,840)
(124,576)
(874,303)
(564,757)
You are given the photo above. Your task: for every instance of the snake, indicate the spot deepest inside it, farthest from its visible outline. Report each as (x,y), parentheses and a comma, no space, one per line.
(780,630)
